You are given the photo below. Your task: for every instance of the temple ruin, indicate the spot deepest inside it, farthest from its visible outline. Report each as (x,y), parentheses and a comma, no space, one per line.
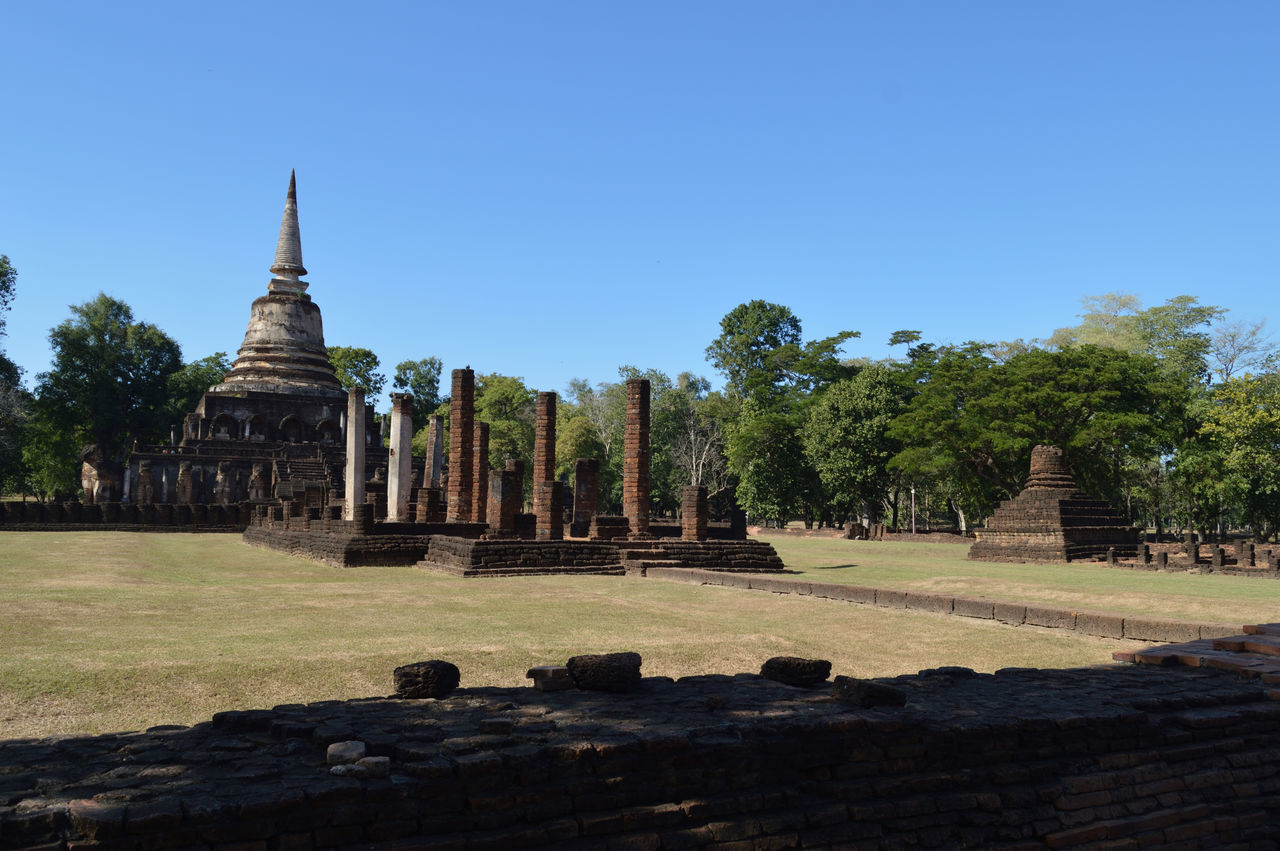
(1051,520)
(275,426)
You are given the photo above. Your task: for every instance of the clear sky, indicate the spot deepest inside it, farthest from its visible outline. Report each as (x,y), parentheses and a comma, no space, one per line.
(551,189)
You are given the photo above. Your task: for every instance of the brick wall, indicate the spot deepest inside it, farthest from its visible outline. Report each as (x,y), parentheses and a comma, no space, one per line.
(1134,757)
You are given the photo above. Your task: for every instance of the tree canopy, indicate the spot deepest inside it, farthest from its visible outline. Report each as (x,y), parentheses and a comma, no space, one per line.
(110,378)
(357,367)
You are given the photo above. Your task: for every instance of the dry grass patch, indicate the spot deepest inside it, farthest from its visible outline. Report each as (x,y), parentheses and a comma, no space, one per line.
(943,568)
(112,631)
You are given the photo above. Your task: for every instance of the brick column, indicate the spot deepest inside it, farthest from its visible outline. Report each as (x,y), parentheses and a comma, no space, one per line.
(461,450)
(517,467)
(480,487)
(435,444)
(586,492)
(400,459)
(544,459)
(693,513)
(504,500)
(550,522)
(354,476)
(635,459)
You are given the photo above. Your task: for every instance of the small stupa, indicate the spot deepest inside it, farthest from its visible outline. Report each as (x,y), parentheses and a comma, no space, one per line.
(1052,520)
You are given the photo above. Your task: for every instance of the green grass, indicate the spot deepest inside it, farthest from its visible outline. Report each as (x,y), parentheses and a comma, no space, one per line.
(943,568)
(115,631)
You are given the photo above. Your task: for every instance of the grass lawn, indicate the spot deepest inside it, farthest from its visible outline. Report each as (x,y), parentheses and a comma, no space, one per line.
(119,631)
(943,568)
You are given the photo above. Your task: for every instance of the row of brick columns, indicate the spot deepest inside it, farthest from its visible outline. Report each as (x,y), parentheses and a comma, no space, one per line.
(477,495)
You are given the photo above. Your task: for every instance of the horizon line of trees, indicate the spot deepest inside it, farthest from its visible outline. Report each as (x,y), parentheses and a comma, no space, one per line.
(1170,412)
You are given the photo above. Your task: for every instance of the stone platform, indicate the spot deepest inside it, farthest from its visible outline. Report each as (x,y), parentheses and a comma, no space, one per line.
(1107,757)
(514,557)
(1255,654)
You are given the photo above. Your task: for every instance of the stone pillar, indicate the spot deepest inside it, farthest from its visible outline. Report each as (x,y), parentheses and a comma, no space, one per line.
(693,513)
(550,522)
(517,467)
(586,492)
(354,476)
(462,414)
(480,487)
(184,483)
(544,459)
(146,484)
(435,444)
(400,459)
(635,459)
(504,502)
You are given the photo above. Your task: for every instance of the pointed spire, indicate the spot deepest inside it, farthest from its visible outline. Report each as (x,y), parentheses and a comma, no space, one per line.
(288,266)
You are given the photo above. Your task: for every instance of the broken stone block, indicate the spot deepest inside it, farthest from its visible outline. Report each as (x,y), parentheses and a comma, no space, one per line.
(867,693)
(550,677)
(435,678)
(794,671)
(376,766)
(345,753)
(615,672)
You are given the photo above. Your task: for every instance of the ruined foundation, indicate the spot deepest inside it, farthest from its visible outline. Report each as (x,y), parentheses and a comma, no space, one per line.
(1053,521)
(1118,756)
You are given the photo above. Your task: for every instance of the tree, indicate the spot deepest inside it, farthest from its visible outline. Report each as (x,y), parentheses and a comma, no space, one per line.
(1244,425)
(846,438)
(1174,332)
(15,402)
(110,379)
(1240,345)
(422,379)
(508,406)
(189,383)
(8,287)
(357,367)
(976,421)
(759,351)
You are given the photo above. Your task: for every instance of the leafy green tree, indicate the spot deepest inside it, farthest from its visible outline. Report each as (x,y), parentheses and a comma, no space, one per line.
(422,379)
(775,479)
(1244,425)
(509,407)
(759,350)
(50,466)
(975,420)
(762,356)
(1176,332)
(189,383)
(110,379)
(357,367)
(15,401)
(8,288)
(846,439)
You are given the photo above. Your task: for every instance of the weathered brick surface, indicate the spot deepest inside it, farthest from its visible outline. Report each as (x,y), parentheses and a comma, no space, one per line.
(490,557)
(635,459)
(1052,521)
(1125,756)
(544,458)
(461,445)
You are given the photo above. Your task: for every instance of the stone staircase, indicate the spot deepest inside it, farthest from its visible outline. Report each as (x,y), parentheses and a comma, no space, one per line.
(639,556)
(1255,655)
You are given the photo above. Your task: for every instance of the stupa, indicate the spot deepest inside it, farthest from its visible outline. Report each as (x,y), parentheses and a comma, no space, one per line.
(1052,520)
(274,426)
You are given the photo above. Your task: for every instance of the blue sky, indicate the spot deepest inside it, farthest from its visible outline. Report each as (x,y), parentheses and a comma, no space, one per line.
(552,189)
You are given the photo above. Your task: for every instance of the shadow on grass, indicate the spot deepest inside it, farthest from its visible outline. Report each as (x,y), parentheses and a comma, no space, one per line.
(832,567)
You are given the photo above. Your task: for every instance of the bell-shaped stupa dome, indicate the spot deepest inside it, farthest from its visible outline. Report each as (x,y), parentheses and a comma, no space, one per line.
(283,349)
